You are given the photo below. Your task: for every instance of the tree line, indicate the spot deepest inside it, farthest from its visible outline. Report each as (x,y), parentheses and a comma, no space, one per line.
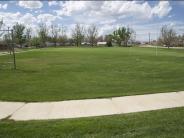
(56,35)
(169,38)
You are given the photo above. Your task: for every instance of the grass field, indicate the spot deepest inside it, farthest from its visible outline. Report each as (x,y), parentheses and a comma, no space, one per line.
(166,123)
(53,74)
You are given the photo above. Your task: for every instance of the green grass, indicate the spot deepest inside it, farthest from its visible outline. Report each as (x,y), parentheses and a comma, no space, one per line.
(53,74)
(166,123)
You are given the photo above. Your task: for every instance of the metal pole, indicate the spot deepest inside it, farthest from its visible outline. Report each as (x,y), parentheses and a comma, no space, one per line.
(13,49)
(157,45)
(8,40)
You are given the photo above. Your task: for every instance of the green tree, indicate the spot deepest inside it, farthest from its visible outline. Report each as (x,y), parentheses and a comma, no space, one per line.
(116,37)
(122,34)
(18,33)
(35,41)
(108,39)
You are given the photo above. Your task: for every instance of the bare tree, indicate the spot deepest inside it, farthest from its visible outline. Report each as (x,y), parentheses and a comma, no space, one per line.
(167,35)
(43,34)
(55,30)
(78,34)
(1,25)
(182,40)
(100,38)
(63,37)
(28,36)
(92,33)
(179,41)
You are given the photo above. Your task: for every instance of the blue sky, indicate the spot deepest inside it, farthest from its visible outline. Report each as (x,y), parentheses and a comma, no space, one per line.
(143,16)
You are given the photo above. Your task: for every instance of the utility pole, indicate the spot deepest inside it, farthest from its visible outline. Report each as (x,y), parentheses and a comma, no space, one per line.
(8,40)
(149,38)
(13,49)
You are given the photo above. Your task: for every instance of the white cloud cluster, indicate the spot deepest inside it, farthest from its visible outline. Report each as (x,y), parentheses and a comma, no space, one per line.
(52,3)
(111,21)
(10,18)
(46,18)
(28,19)
(111,14)
(162,9)
(108,15)
(70,7)
(3,6)
(31,4)
(114,8)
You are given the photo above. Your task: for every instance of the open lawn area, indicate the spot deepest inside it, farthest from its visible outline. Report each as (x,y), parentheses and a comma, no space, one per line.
(166,123)
(54,74)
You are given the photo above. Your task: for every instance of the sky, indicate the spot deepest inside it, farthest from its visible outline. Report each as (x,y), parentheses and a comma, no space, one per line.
(143,17)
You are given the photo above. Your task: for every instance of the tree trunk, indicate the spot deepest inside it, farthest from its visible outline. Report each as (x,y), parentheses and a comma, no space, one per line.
(119,43)
(55,43)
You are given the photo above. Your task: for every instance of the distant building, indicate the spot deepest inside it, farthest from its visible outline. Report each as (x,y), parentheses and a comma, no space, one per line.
(85,43)
(101,43)
(49,44)
(154,42)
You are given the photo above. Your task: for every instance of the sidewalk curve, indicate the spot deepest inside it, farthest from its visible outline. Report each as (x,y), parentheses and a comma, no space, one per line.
(90,107)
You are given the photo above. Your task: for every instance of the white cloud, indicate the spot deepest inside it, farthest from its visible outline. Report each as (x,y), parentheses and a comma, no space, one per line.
(106,29)
(52,3)
(127,9)
(3,6)
(10,18)
(95,9)
(28,19)
(46,18)
(108,21)
(69,7)
(107,15)
(112,12)
(31,4)
(162,9)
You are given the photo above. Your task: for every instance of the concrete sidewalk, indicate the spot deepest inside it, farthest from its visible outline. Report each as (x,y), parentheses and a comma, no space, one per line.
(90,107)
(17,52)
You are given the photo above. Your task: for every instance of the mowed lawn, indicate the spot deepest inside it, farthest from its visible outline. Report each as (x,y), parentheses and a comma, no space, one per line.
(166,123)
(54,74)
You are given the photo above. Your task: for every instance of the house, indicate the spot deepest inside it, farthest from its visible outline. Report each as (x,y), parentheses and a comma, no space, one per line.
(85,43)
(101,43)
